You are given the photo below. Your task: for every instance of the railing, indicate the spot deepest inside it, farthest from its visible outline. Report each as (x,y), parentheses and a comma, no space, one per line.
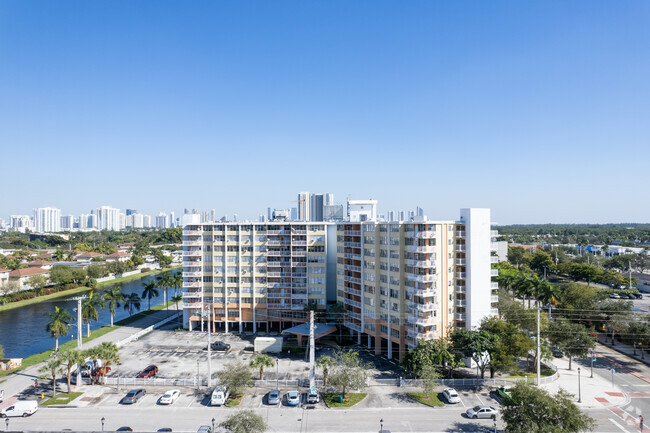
(352,233)
(352,325)
(460,247)
(192,243)
(494,272)
(461,262)
(461,302)
(494,298)
(299,243)
(420,248)
(419,292)
(422,335)
(462,275)
(420,263)
(494,233)
(460,316)
(423,307)
(352,268)
(191,284)
(351,302)
(352,244)
(422,278)
(192,305)
(494,285)
(191,274)
(353,256)
(422,321)
(460,234)
(494,311)
(192,232)
(352,279)
(192,253)
(352,291)
(192,264)
(194,294)
(278,243)
(423,235)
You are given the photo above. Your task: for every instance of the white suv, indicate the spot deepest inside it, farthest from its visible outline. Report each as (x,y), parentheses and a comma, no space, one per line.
(451,395)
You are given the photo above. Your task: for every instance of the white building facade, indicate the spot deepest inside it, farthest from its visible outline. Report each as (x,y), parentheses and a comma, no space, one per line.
(47,220)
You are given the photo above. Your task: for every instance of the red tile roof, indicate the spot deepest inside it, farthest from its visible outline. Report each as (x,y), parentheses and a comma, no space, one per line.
(39,263)
(118,254)
(91,255)
(4,269)
(28,271)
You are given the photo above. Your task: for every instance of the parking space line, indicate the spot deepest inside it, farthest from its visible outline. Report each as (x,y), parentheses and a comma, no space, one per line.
(479,399)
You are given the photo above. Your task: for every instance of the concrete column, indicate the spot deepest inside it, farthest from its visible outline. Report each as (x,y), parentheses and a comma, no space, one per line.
(377,345)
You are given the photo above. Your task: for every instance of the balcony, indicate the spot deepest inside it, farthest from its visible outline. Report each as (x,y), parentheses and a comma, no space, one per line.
(192,264)
(351,302)
(299,296)
(494,298)
(494,259)
(278,243)
(192,253)
(354,315)
(461,302)
(278,295)
(299,306)
(192,294)
(352,291)
(422,293)
(423,235)
(299,243)
(423,307)
(191,284)
(431,335)
(460,234)
(278,264)
(461,262)
(423,278)
(352,325)
(494,272)
(192,274)
(494,233)
(352,256)
(462,275)
(353,280)
(352,244)
(422,321)
(424,249)
(460,247)
(494,311)
(352,268)
(461,288)
(298,232)
(192,305)
(427,264)
(352,233)
(460,316)
(494,285)
(192,232)
(192,243)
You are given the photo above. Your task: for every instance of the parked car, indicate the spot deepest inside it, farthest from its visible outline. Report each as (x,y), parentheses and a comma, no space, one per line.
(312,396)
(293,398)
(164,429)
(134,395)
(638,295)
(2,395)
(504,392)
(102,371)
(22,408)
(219,396)
(451,395)
(273,397)
(170,396)
(220,346)
(150,371)
(615,296)
(482,412)
(204,429)
(125,428)
(557,352)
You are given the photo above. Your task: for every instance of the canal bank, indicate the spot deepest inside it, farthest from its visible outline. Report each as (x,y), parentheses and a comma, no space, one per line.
(27,324)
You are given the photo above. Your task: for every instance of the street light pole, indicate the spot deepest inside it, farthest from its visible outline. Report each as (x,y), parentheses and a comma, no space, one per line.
(613,371)
(213,424)
(381,425)
(103,420)
(593,359)
(579,391)
(198,378)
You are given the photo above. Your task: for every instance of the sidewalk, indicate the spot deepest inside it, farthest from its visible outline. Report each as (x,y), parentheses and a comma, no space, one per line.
(17,383)
(626,350)
(596,392)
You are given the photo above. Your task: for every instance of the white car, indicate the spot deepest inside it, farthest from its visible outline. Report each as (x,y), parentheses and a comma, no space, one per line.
(482,412)
(451,395)
(293,398)
(219,396)
(170,396)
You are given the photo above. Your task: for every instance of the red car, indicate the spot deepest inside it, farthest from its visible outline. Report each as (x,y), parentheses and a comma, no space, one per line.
(102,371)
(150,371)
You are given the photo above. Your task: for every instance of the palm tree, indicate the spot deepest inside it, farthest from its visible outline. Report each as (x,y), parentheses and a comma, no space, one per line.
(89,308)
(69,358)
(261,361)
(59,324)
(109,353)
(150,291)
(59,255)
(178,300)
(70,255)
(114,299)
(132,302)
(94,353)
(325,362)
(164,282)
(178,282)
(52,367)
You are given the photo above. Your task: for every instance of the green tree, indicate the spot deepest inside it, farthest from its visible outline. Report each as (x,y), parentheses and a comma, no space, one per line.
(150,291)
(235,377)
(89,309)
(132,303)
(476,345)
(431,353)
(244,421)
(534,410)
(109,353)
(349,372)
(59,255)
(52,369)
(59,324)
(165,281)
(261,361)
(326,363)
(572,338)
(518,256)
(37,283)
(78,275)
(69,358)
(114,298)
(61,275)
(429,375)
(178,282)
(514,343)
(541,261)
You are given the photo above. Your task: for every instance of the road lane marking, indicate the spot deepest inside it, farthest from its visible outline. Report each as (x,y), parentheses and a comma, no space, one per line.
(479,399)
(618,425)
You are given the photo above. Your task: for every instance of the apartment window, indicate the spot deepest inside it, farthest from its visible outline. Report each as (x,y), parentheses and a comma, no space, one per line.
(383,329)
(232,259)
(207,268)
(233,279)
(383,266)
(369,326)
(394,293)
(368,253)
(316,280)
(260,248)
(231,269)
(383,317)
(247,259)
(394,333)
(316,238)
(207,279)
(316,259)
(394,241)
(317,249)
(394,254)
(369,289)
(233,238)
(382,228)
(207,238)
(260,269)
(246,280)
(260,238)
(233,249)
(218,280)
(219,238)
(394,281)
(394,306)
(207,248)
(217,259)
(383,279)
(382,240)
(316,291)
(369,277)
(246,238)
(218,249)
(316,270)
(246,249)
(260,228)
(218,269)
(369,313)
(217,228)
(394,268)
(369,301)
(260,280)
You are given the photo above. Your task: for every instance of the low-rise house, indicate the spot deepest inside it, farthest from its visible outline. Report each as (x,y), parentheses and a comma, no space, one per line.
(87,257)
(41,264)
(4,275)
(21,276)
(118,257)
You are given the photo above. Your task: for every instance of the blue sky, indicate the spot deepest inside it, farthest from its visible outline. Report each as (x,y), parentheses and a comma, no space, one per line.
(538,110)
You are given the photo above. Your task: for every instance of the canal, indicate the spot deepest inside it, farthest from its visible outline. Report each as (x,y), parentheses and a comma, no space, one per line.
(22,330)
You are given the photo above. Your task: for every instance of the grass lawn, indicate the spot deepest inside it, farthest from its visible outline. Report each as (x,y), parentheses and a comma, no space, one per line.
(44,356)
(81,289)
(61,399)
(234,400)
(350,399)
(428,399)
(532,375)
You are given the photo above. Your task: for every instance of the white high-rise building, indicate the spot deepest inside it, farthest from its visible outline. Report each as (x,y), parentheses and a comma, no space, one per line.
(172,218)
(108,218)
(362,210)
(21,223)
(303,206)
(47,220)
(146,221)
(162,221)
(122,218)
(409,280)
(67,222)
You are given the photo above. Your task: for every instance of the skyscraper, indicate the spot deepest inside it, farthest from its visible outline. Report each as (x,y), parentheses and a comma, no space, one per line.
(162,221)
(108,218)
(131,212)
(316,204)
(47,219)
(303,206)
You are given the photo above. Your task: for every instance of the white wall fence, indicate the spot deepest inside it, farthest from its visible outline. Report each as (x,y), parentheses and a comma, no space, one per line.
(148,329)
(112,277)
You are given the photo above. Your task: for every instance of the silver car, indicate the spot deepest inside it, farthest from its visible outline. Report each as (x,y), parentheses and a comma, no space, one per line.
(482,412)
(451,395)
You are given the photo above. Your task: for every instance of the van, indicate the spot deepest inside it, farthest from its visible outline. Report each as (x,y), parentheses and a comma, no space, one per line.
(20,408)
(219,396)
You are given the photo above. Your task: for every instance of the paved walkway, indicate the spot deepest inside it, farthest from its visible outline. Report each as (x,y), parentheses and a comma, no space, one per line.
(625,349)
(22,382)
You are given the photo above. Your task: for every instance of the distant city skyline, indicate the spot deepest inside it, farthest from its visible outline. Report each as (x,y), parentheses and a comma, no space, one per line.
(537,110)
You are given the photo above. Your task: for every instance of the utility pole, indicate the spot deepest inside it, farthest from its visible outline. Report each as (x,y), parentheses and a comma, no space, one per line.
(539,353)
(629,265)
(312,356)
(79,333)
(209,346)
